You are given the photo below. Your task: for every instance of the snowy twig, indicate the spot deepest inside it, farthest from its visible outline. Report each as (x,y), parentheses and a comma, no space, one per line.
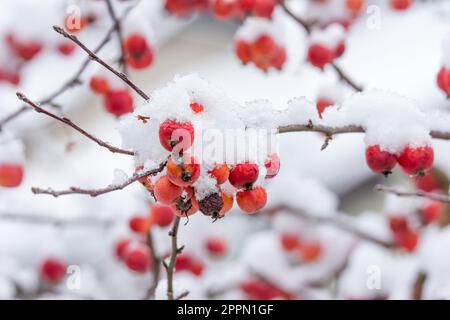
(345,78)
(97,59)
(156,263)
(118,30)
(421,194)
(97,192)
(39,220)
(68,122)
(170,267)
(299,20)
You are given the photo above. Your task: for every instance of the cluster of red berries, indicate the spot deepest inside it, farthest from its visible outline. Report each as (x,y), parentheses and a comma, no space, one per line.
(190,263)
(138,53)
(305,251)
(116,101)
(443,80)
(134,252)
(11,175)
(413,160)
(320,55)
(183,8)
(322,104)
(430,210)
(239,9)
(264,52)
(258,289)
(52,270)
(405,236)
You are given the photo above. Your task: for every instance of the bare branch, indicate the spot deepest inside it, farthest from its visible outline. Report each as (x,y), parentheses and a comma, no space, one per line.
(68,122)
(118,29)
(344,77)
(419,283)
(170,267)
(421,194)
(97,59)
(184,294)
(97,192)
(156,263)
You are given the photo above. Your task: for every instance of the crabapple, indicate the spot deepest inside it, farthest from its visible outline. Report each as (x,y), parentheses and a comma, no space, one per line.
(263,8)
(400,4)
(99,84)
(243,51)
(121,247)
(443,80)
(227,203)
(196,107)
(119,102)
(243,175)
(380,161)
(185,207)
(139,54)
(166,192)
(416,160)
(52,270)
(11,175)
(183,171)
(290,241)
(322,104)
(224,9)
(139,224)
(161,215)
(272,165)
(319,55)
(431,211)
(216,246)
(170,129)
(221,172)
(137,258)
(354,6)
(252,200)
(428,182)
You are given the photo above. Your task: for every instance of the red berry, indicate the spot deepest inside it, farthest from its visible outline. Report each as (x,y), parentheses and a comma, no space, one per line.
(221,172)
(354,6)
(119,102)
(380,161)
(185,207)
(137,258)
(400,4)
(398,224)
(272,165)
(322,104)
(166,192)
(246,5)
(197,268)
(184,7)
(11,77)
(243,175)
(183,171)
(257,289)
(11,175)
(319,55)
(340,49)
(262,51)
(431,211)
(172,132)
(443,80)
(216,246)
(427,182)
(278,58)
(227,203)
(186,262)
(66,48)
(52,270)
(121,247)
(196,107)
(99,85)
(290,241)
(250,201)
(243,51)
(264,8)
(416,160)
(139,54)
(139,224)
(224,9)
(407,240)
(161,215)
(310,252)
(26,50)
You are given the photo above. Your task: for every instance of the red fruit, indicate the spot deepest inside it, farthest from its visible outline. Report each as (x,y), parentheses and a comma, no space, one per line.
(66,48)
(264,8)
(322,104)
(443,80)
(400,4)
(26,50)
(227,203)
(172,132)
(139,54)
(137,258)
(11,77)
(319,55)
(161,215)
(146,181)
(224,9)
(197,268)
(243,51)
(272,165)
(354,6)
(139,224)
(427,182)
(216,246)
(278,58)
(166,192)
(262,51)
(380,161)
(186,262)
(416,160)
(11,175)
(52,270)
(121,247)
(257,289)
(252,200)
(290,241)
(99,85)
(221,172)
(310,252)
(196,107)
(246,5)
(398,224)
(183,171)
(339,50)
(431,211)
(184,7)
(119,102)
(185,207)
(407,240)
(243,175)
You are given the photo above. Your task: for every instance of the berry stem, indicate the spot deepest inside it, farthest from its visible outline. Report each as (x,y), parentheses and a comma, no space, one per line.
(421,194)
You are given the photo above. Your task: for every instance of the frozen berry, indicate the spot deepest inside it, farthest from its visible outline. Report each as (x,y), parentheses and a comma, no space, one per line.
(243,175)
(416,160)
(139,224)
(166,192)
(137,258)
(99,85)
(52,270)
(221,172)
(172,132)
(121,247)
(139,54)
(119,102)
(161,215)
(183,171)
(216,246)
(250,201)
(380,161)
(319,55)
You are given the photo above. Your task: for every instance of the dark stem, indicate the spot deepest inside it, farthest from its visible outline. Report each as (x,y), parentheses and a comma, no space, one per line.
(118,29)
(156,263)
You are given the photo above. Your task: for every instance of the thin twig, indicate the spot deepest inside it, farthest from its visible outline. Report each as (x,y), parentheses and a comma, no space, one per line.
(96,192)
(156,263)
(97,59)
(69,122)
(299,20)
(421,194)
(118,29)
(170,267)
(182,295)
(346,78)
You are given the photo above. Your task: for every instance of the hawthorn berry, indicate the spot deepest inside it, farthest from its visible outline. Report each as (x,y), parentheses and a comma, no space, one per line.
(139,54)
(166,192)
(221,172)
(99,85)
(119,102)
(319,55)
(182,8)
(400,4)
(257,289)
(121,247)
(416,160)
(172,132)
(262,51)
(278,58)
(137,258)
(322,104)
(52,270)
(443,80)
(243,175)
(183,171)
(216,246)
(11,175)
(263,8)
(380,161)
(272,165)
(161,215)
(139,224)
(398,224)
(252,200)
(340,49)
(66,48)
(407,240)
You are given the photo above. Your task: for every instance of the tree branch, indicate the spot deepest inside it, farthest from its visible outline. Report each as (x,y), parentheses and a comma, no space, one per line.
(421,194)
(69,122)
(96,192)
(156,263)
(97,59)
(170,267)
(118,30)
